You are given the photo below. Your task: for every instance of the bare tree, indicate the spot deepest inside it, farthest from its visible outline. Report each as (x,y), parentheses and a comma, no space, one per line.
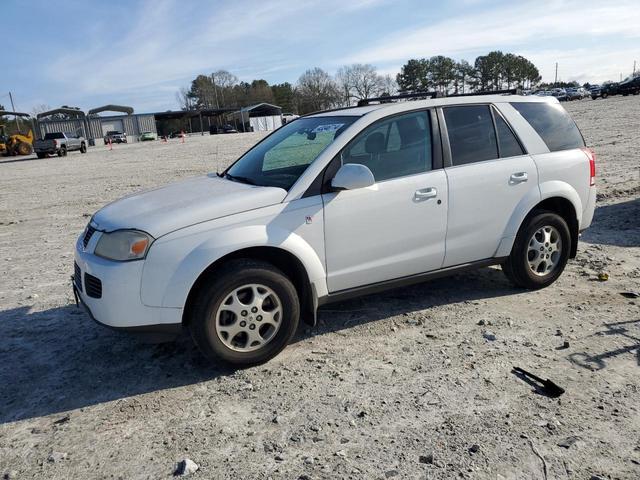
(185,101)
(359,81)
(43,107)
(317,90)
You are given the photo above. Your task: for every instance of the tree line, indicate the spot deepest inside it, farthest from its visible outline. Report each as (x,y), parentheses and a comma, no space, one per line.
(318,90)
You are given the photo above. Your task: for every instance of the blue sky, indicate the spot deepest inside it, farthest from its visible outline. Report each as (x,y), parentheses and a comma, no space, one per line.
(89,53)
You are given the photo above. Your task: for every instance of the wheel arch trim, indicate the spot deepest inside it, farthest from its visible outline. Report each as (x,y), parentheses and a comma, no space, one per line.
(547,191)
(225,245)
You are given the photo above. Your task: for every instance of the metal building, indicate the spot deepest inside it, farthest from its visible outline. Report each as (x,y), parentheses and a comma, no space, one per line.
(94,127)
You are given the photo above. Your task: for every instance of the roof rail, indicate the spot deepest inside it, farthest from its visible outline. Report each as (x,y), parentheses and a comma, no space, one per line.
(402,96)
(430,95)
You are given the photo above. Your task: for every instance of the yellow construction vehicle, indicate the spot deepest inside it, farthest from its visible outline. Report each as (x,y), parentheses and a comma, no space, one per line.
(18,143)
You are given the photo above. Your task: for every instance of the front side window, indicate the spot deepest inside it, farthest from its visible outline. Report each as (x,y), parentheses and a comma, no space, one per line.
(471,134)
(280,159)
(554,125)
(395,147)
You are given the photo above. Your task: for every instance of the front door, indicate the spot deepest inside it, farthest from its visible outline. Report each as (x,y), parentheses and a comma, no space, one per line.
(396,227)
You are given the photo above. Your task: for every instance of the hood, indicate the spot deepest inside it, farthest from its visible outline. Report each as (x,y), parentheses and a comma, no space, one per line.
(184,203)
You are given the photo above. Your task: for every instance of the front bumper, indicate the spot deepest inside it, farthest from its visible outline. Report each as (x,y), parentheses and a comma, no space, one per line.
(119,304)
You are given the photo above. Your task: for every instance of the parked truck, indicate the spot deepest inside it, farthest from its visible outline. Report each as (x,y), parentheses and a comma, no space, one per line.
(59,143)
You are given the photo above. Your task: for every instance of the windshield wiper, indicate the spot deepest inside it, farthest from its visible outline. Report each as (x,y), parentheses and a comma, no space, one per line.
(237,178)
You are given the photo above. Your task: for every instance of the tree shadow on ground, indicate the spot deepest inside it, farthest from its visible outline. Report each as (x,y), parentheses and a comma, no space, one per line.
(616,224)
(58,359)
(598,361)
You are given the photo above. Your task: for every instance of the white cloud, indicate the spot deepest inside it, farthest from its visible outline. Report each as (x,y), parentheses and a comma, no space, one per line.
(508,28)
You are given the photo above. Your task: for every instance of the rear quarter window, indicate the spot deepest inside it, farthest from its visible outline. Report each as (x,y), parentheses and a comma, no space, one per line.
(554,125)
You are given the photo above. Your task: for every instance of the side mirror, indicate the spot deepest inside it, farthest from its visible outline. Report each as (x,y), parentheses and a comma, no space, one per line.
(351,176)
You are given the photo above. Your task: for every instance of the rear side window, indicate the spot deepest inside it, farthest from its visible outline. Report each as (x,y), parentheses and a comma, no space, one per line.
(471,134)
(507,141)
(553,124)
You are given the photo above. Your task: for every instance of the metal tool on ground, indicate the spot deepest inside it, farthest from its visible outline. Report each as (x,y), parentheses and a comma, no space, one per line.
(547,386)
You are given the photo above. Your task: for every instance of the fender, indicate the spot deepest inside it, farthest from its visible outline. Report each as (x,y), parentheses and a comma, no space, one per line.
(550,189)
(223,243)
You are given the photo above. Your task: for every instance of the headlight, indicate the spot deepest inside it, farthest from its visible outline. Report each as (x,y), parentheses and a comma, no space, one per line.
(123,245)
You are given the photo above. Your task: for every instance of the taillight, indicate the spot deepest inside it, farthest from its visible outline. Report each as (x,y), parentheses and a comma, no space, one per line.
(591,155)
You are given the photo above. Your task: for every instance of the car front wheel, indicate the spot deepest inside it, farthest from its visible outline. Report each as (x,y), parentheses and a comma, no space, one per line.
(540,251)
(246,314)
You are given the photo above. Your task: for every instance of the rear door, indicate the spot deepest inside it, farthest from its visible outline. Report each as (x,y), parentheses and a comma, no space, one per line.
(489,173)
(396,227)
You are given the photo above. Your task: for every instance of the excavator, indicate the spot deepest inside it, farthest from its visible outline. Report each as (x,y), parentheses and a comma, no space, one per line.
(18,143)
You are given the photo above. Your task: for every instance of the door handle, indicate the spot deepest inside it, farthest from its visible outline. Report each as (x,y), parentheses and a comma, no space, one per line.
(519,177)
(425,193)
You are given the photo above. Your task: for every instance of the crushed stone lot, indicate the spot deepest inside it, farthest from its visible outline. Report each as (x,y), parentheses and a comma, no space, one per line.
(412,383)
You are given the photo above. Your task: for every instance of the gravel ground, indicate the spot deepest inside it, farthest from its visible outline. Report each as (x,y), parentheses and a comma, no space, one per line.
(406,384)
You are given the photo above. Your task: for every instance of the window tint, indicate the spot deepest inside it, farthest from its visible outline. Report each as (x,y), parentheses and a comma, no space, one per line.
(507,141)
(471,134)
(553,124)
(393,148)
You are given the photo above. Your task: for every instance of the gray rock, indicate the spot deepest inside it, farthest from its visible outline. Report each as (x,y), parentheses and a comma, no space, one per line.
(55,457)
(474,448)
(186,467)
(569,441)
(428,459)
(489,336)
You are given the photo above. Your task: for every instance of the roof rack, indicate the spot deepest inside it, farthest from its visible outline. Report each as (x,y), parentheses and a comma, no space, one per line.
(430,95)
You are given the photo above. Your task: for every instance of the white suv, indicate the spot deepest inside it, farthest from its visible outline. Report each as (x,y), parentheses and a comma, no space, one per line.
(337,204)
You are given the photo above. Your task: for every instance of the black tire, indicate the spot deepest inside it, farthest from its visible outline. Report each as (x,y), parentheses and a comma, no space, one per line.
(62,152)
(516,266)
(604,95)
(41,155)
(83,147)
(211,295)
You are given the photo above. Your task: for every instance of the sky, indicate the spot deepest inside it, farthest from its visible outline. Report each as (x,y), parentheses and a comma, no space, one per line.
(89,53)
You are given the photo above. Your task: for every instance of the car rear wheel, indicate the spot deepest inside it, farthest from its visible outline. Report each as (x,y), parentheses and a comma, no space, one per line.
(83,147)
(540,251)
(62,152)
(246,314)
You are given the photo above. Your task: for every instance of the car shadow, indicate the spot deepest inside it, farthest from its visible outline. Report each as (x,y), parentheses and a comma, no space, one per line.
(469,286)
(616,224)
(58,359)
(629,329)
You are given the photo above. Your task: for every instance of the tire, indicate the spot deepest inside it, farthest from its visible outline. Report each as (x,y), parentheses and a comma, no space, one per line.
(604,95)
(221,334)
(24,148)
(83,147)
(62,152)
(41,155)
(519,266)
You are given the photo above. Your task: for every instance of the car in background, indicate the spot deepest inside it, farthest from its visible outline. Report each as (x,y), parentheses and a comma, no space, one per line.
(630,86)
(289,117)
(145,136)
(226,128)
(59,143)
(573,94)
(605,90)
(115,136)
(560,94)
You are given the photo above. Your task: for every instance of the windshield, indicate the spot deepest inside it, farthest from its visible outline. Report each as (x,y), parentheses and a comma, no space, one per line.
(280,159)
(53,136)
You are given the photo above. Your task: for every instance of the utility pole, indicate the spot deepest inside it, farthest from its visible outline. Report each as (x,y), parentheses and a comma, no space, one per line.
(634,68)
(555,82)
(14,109)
